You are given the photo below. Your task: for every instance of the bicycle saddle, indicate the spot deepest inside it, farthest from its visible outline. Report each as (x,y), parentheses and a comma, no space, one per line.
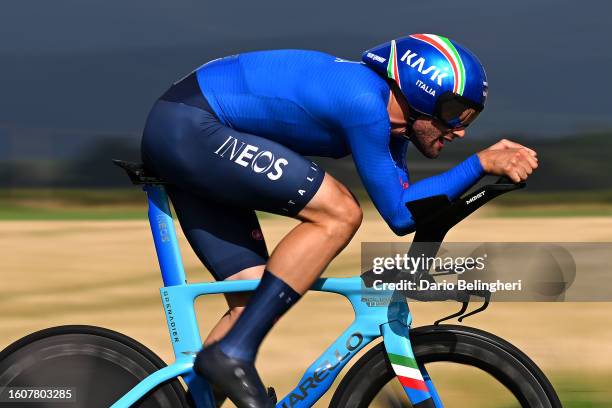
(137,173)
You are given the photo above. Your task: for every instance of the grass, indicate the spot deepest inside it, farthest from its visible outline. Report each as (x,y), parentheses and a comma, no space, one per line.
(554,204)
(26,213)
(107,275)
(23,213)
(580,391)
(551,211)
(556,198)
(130,204)
(72,204)
(73,197)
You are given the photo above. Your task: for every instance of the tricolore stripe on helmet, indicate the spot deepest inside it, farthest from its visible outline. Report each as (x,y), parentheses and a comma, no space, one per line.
(446,47)
(392,69)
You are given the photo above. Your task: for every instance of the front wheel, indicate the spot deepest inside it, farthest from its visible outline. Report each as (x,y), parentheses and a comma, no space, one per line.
(470,360)
(98,365)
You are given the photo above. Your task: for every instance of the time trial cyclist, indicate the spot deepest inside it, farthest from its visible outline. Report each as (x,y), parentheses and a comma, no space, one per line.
(231,137)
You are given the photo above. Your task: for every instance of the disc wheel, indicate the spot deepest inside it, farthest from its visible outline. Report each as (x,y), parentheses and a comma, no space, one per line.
(100,365)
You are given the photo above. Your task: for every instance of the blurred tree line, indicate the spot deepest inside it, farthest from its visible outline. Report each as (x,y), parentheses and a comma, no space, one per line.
(570,163)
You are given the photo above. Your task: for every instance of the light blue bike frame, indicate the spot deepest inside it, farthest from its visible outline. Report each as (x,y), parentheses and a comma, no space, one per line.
(392,321)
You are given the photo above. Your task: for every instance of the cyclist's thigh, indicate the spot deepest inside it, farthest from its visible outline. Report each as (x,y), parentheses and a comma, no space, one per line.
(226,239)
(193,150)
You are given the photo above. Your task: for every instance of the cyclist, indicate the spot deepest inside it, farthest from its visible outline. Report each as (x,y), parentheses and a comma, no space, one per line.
(231,138)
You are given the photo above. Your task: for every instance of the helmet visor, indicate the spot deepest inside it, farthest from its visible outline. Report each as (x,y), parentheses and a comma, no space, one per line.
(455,111)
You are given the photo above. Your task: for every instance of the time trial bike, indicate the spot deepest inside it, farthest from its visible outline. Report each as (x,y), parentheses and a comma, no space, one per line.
(104,368)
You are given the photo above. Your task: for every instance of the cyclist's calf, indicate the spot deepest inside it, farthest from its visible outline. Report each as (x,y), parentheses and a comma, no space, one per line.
(236,303)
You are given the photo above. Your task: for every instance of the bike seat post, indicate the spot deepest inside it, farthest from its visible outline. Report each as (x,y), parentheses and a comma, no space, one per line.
(164,236)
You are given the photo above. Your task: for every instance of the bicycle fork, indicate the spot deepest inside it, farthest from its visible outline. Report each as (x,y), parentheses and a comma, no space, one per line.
(413,376)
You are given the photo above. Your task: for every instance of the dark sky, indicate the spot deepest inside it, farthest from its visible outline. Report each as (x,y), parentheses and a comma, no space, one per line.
(97,65)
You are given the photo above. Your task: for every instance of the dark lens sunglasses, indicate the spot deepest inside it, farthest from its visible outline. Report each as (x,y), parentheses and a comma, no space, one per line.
(456,111)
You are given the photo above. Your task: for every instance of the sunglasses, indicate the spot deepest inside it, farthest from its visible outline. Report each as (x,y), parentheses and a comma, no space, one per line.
(452,111)
(455,111)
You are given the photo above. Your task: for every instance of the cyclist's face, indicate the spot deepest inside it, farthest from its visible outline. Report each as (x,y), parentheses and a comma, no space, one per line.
(430,136)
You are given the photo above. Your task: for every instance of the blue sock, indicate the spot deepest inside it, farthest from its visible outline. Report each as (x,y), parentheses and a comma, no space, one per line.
(270,301)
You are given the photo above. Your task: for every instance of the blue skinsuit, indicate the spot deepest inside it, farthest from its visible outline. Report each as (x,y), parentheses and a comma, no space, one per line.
(319,105)
(231,138)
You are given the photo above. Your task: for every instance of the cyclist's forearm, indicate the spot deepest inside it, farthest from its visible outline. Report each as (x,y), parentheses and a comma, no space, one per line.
(451,183)
(391,198)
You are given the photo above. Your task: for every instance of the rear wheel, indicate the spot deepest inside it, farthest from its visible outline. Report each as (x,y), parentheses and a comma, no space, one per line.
(488,370)
(100,365)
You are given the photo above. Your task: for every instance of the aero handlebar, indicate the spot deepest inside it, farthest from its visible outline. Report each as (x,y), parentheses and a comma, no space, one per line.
(434,217)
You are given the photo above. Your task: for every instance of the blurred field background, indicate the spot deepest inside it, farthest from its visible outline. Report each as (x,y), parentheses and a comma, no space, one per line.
(76,249)
(78,79)
(91,265)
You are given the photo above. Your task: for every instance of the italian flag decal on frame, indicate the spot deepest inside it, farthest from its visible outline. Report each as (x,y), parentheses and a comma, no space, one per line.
(407,372)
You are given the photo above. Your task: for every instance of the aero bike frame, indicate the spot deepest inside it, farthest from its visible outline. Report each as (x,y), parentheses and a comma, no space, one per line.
(391,321)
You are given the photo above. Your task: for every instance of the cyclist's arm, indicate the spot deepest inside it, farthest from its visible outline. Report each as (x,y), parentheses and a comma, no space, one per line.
(398,147)
(381,175)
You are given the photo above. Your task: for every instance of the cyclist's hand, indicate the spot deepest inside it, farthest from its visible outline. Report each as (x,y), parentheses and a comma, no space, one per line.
(506,158)
(509,144)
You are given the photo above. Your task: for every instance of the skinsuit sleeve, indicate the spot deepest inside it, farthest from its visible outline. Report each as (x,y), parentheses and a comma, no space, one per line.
(379,163)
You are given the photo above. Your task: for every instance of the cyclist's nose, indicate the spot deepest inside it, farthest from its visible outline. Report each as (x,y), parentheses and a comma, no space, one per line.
(459,133)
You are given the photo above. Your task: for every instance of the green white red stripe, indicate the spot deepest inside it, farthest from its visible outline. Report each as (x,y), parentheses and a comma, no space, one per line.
(407,371)
(451,54)
(392,69)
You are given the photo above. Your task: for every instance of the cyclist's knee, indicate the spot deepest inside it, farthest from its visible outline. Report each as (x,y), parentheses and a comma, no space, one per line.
(344,217)
(335,208)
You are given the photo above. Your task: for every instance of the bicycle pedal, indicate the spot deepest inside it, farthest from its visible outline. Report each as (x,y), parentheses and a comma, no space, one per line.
(272,394)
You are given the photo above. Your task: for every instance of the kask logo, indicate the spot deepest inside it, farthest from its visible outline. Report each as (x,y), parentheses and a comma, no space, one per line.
(413,60)
(247,155)
(445,47)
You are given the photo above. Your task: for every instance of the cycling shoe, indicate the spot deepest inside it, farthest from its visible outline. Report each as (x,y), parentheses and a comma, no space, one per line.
(238,379)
